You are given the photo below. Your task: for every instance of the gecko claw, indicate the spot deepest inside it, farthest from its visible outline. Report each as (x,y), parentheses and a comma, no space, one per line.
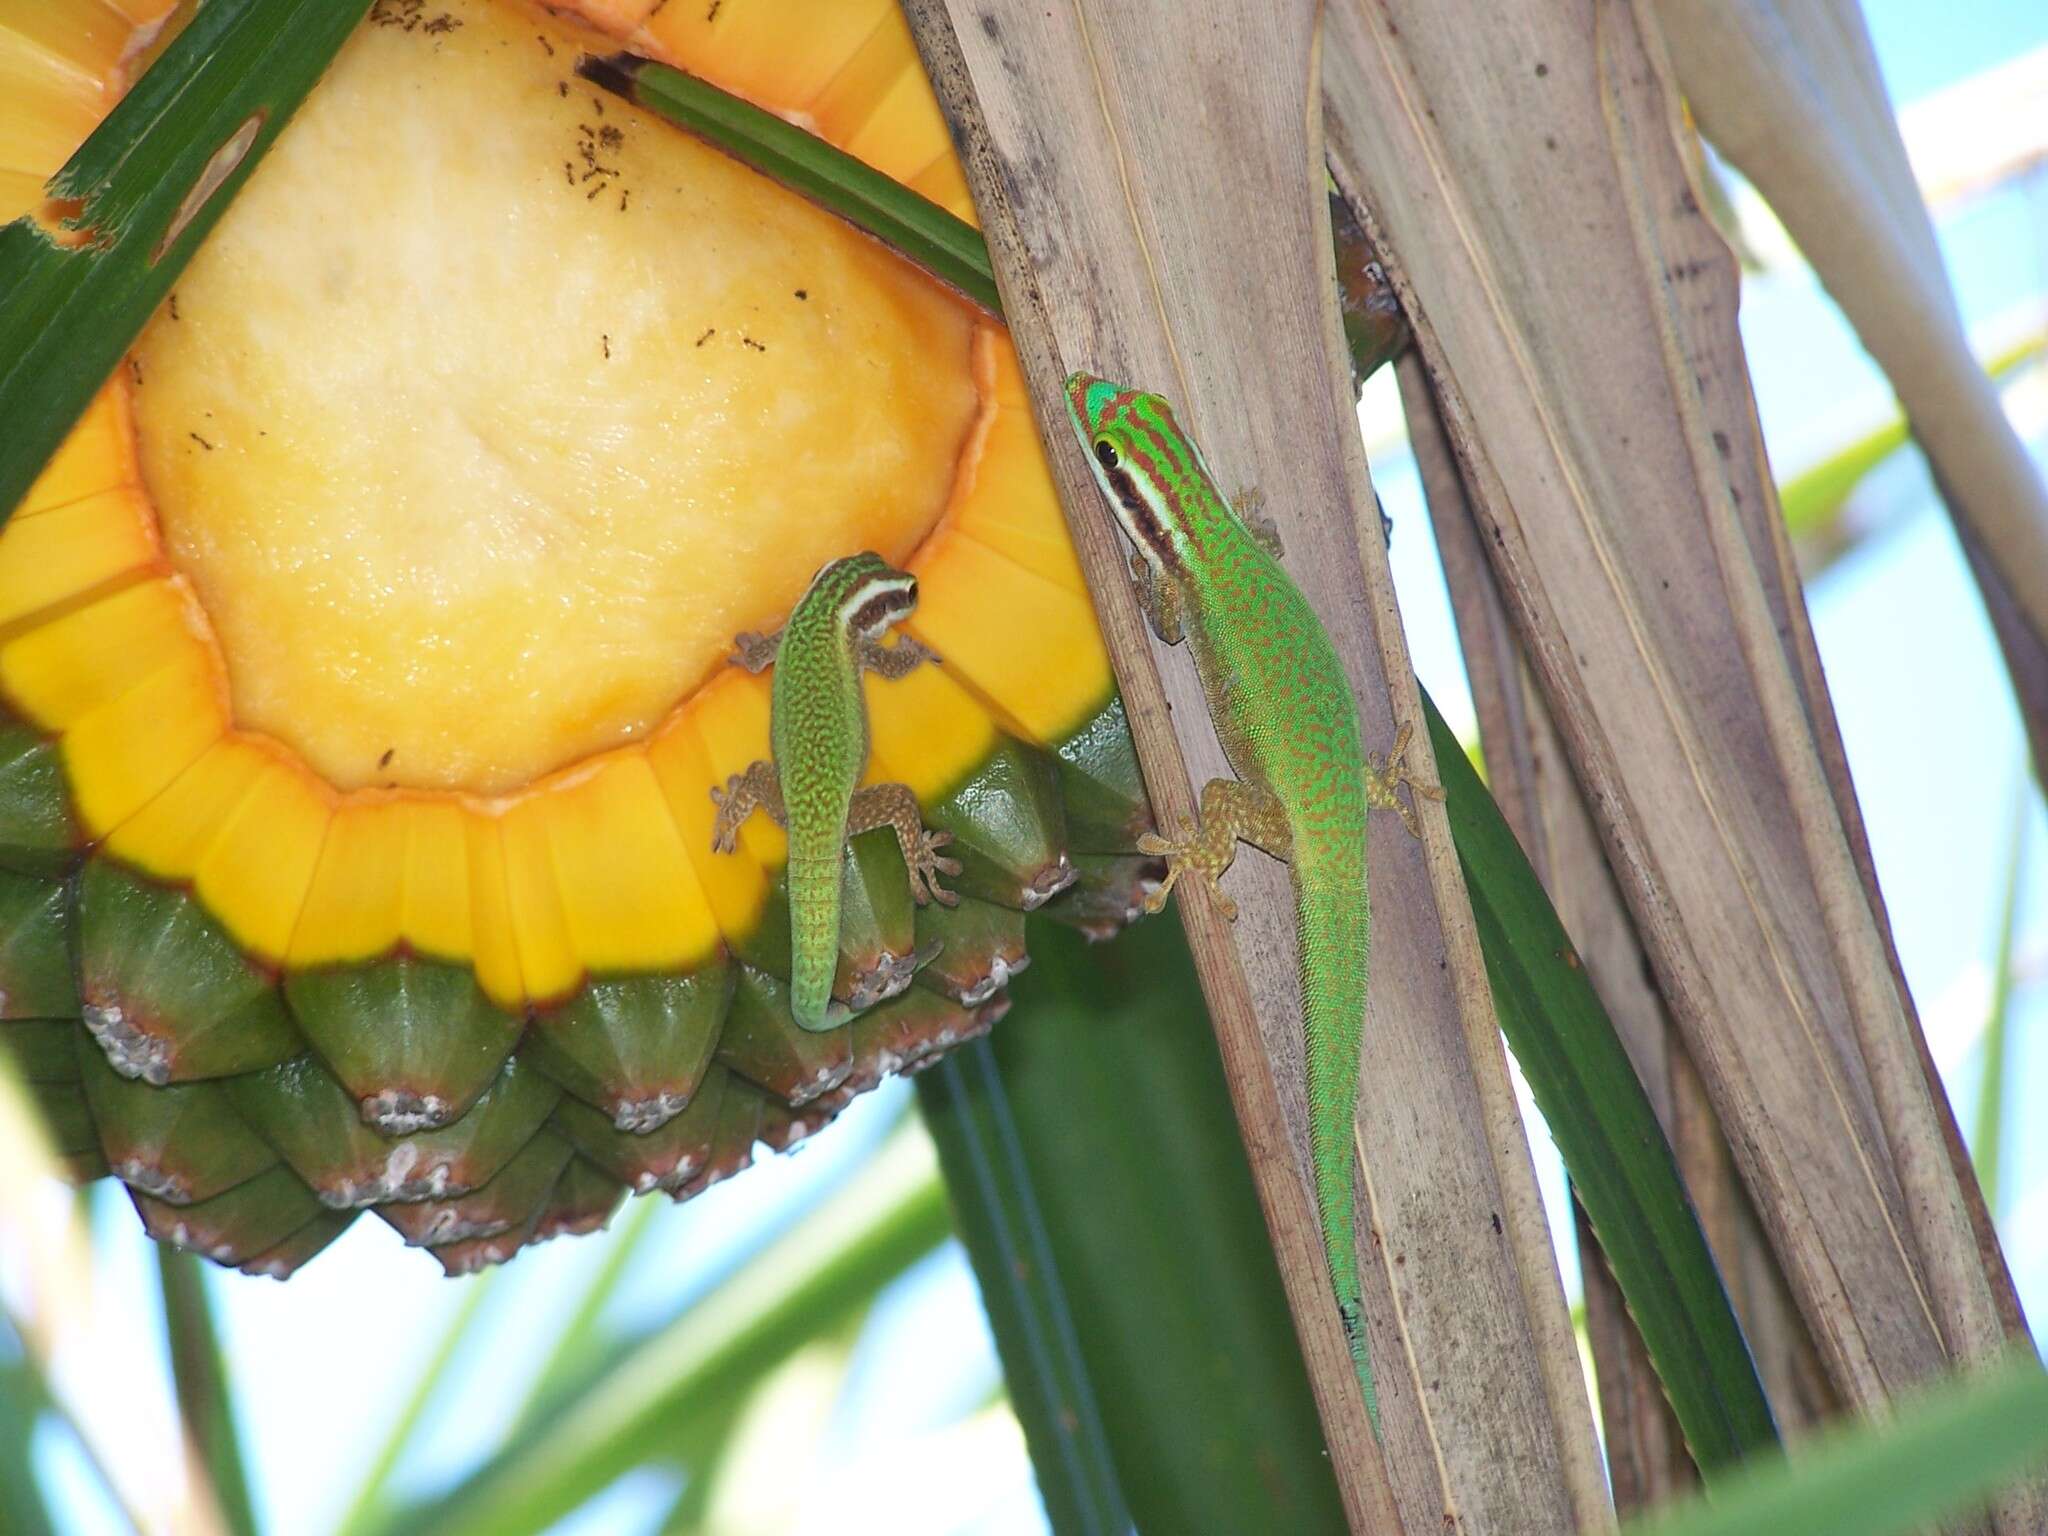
(1155,846)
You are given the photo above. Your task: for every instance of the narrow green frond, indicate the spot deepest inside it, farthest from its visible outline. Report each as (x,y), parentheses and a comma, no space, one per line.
(1621,1167)
(880,205)
(968,1112)
(373,1493)
(1128,1153)
(1812,499)
(699,1452)
(22,1402)
(637,1404)
(199,1374)
(1989,1131)
(578,1337)
(1952,1447)
(80,275)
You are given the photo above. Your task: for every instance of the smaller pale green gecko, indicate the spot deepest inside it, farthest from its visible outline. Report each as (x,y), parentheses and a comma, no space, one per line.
(1282,707)
(818,738)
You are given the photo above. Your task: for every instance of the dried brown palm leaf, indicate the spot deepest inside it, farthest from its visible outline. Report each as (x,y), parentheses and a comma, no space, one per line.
(1576,313)
(1791,94)
(1532,780)
(1177,234)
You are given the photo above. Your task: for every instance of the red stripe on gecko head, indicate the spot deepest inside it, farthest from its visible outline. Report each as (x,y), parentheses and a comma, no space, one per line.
(1094,402)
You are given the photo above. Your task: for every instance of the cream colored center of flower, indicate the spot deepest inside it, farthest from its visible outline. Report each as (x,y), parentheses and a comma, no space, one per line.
(494,408)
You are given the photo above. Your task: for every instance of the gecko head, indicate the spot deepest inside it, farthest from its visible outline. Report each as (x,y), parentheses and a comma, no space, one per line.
(1139,454)
(1090,401)
(868,593)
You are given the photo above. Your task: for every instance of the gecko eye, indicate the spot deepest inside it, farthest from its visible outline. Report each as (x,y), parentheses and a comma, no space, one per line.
(1105,453)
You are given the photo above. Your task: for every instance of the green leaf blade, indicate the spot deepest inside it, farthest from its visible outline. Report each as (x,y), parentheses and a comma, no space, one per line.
(1613,1148)
(80,277)
(205,1395)
(968,1113)
(1128,1155)
(649,1396)
(1955,1445)
(877,204)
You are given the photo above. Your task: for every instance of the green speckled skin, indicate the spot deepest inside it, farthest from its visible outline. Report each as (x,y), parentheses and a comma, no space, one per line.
(1283,711)
(818,733)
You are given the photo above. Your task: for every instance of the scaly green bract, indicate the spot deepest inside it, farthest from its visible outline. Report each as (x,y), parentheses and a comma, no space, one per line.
(1284,714)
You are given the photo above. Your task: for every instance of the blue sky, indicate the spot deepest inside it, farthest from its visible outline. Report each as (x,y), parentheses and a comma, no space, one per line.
(1936,750)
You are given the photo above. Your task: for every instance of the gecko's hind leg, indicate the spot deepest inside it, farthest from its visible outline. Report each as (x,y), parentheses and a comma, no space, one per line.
(759,786)
(1232,811)
(1383,777)
(894,806)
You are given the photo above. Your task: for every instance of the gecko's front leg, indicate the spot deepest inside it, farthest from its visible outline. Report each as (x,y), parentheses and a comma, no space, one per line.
(898,660)
(1231,811)
(1250,506)
(1158,598)
(756,651)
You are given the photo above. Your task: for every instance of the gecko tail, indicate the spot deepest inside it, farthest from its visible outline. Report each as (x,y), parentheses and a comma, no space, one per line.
(1353,1313)
(811,1002)
(1333,933)
(814,943)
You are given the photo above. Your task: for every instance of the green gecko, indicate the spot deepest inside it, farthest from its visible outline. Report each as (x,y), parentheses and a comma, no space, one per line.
(818,738)
(1284,714)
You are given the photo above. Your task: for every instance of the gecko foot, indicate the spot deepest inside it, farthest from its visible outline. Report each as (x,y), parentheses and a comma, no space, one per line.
(893,661)
(895,806)
(926,864)
(755,651)
(1230,810)
(1385,776)
(760,787)
(1184,854)
(725,829)
(1158,599)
